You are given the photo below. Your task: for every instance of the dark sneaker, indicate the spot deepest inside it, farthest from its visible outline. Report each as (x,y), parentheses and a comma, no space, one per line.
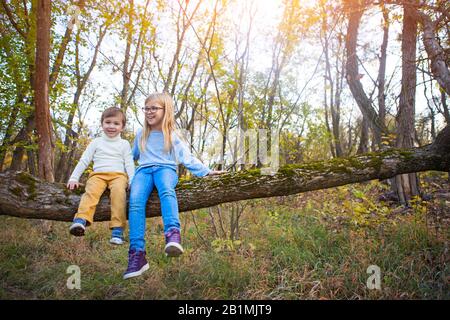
(78,227)
(173,243)
(137,264)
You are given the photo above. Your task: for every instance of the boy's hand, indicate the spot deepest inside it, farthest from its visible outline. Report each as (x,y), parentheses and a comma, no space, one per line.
(72,185)
(215,172)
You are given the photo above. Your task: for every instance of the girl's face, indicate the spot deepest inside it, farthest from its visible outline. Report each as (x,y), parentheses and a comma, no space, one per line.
(112,126)
(154,114)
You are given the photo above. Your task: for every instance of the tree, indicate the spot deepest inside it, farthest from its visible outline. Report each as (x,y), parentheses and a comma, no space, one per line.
(61,172)
(382,69)
(129,63)
(18,29)
(407,186)
(43,120)
(437,55)
(333,85)
(19,25)
(355,12)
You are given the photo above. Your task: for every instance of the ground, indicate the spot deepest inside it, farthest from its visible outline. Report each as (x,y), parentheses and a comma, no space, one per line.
(315,245)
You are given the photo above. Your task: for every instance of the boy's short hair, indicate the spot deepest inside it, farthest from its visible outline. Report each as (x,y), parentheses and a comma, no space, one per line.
(113,112)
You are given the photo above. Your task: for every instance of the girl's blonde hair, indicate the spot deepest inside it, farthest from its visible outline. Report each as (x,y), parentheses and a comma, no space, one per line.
(168,123)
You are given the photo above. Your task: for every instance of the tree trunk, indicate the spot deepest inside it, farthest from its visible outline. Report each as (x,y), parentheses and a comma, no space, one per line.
(406,186)
(68,142)
(31,162)
(67,170)
(364,140)
(435,52)
(447,118)
(23,196)
(382,69)
(129,62)
(24,137)
(70,136)
(445,107)
(126,74)
(43,120)
(353,77)
(62,49)
(333,86)
(29,51)
(8,132)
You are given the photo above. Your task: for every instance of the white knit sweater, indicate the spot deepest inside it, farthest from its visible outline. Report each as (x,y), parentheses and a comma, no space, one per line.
(109,155)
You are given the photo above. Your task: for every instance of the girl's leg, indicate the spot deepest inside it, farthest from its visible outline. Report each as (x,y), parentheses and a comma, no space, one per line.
(141,189)
(166,180)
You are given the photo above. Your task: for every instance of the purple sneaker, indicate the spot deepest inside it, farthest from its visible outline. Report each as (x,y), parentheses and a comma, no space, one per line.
(173,243)
(137,264)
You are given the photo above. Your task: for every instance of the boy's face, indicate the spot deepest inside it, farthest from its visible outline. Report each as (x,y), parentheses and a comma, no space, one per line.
(112,126)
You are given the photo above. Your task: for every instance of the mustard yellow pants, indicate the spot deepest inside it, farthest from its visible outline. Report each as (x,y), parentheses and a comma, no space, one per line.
(96,184)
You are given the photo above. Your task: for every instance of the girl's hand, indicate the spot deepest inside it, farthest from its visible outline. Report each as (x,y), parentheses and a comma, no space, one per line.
(73,185)
(215,172)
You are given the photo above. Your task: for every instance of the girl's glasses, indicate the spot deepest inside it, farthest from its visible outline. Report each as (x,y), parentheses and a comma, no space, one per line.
(151,109)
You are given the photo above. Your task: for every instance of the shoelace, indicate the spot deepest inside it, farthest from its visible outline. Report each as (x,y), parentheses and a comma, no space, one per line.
(174,236)
(134,260)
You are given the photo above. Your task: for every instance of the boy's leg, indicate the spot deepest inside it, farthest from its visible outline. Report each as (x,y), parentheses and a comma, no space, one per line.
(118,187)
(116,236)
(141,188)
(78,227)
(95,186)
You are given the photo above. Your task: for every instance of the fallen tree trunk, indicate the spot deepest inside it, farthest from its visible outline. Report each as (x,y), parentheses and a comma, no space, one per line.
(24,196)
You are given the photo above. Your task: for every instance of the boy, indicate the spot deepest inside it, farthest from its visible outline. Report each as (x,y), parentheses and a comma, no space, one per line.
(112,158)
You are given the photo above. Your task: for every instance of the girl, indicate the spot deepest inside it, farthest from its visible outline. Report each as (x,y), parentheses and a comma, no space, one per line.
(156,148)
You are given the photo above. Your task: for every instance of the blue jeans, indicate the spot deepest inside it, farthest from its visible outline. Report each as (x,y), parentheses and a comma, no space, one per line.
(165,179)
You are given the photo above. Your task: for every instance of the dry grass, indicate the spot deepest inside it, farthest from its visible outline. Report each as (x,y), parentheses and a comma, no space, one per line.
(316,245)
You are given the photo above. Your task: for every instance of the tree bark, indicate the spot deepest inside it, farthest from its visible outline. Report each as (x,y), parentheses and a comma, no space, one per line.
(445,107)
(353,76)
(334,87)
(382,69)
(24,137)
(407,186)
(126,74)
(436,54)
(24,196)
(43,120)
(8,132)
(364,138)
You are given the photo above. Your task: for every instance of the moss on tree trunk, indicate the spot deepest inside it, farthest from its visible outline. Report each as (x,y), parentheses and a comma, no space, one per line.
(22,195)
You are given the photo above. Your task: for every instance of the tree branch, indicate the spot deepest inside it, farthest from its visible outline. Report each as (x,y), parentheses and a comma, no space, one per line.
(11,19)
(24,196)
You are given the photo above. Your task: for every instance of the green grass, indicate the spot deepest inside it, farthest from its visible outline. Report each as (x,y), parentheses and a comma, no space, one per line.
(288,249)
